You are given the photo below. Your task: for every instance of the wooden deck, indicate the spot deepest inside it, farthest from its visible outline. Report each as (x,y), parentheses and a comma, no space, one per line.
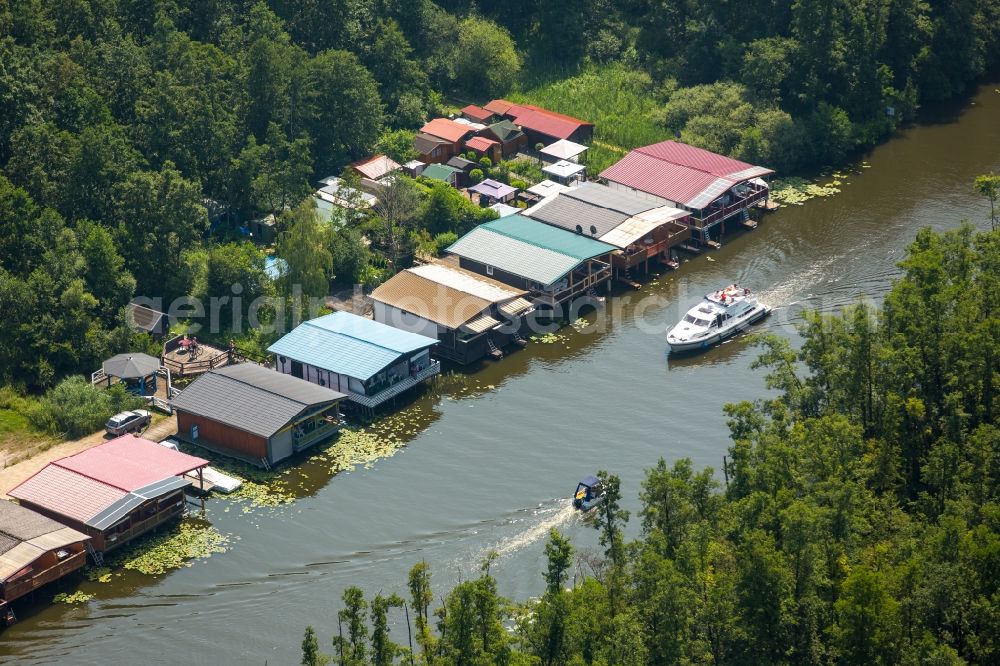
(183,363)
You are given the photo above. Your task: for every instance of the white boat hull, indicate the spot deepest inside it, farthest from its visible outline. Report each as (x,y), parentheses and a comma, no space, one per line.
(715,338)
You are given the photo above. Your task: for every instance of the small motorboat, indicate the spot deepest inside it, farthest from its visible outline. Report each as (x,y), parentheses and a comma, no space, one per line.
(729,311)
(589,493)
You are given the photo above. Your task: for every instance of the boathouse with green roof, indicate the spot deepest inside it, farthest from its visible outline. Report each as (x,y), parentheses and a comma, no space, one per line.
(554,265)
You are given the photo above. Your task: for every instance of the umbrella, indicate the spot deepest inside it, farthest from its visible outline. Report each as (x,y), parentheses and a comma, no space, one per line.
(131,366)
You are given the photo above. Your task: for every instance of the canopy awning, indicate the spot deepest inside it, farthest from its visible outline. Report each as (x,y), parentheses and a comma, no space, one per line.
(483,322)
(515,307)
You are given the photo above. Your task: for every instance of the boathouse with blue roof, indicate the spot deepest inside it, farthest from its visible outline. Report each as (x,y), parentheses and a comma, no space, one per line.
(368,361)
(552,264)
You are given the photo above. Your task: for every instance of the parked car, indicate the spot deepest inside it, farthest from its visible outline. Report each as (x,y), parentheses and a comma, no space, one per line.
(119,424)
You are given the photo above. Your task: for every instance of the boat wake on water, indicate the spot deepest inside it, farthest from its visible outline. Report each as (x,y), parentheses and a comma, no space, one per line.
(535,526)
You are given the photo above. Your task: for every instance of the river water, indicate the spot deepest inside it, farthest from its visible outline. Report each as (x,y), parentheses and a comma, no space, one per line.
(488,467)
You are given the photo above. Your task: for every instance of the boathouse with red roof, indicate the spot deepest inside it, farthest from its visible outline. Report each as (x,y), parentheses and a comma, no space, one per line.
(113,492)
(713,187)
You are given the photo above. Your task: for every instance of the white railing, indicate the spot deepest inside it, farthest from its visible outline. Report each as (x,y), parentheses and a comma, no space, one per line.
(372,401)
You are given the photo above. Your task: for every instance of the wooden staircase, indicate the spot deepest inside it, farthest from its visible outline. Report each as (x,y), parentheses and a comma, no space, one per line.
(494,350)
(97,557)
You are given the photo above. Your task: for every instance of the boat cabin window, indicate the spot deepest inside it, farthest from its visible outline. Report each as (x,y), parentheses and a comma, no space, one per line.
(695,320)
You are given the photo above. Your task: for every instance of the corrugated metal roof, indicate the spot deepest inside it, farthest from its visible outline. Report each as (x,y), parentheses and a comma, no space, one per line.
(678,172)
(447,129)
(499,106)
(129,462)
(252,398)
(543,121)
(527,248)
(440,172)
(605,197)
(348,344)
(481,143)
(429,300)
(477,112)
(569,213)
(375,166)
(513,256)
(550,238)
(443,294)
(467,281)
(67,493)
(683,154)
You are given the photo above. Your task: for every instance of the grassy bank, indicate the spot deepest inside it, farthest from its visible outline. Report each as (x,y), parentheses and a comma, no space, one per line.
(621,102)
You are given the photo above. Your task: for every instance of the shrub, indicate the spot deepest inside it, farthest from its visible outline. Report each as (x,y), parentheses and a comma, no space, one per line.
(519,184)
(75,408)
(486,163)
(442,241)
(476,175)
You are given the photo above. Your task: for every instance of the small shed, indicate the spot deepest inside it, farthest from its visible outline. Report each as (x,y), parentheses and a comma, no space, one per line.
(442,172)
(136,370)
(477,114)
(565,172)
(414,168)
(563,149)
(262,229)
(35,550)
(256,414)
(485,147)
(493,191)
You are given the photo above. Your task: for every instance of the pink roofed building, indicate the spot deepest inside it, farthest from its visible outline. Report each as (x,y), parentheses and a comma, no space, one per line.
(713,187)
(113,492)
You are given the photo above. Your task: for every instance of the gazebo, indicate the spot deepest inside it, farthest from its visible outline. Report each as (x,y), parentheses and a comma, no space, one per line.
(137,370)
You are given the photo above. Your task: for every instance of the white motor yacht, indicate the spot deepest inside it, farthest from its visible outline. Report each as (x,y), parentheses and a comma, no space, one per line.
(722,314)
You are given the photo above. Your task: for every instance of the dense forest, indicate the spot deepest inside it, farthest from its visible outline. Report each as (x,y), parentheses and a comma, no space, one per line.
(137,137)
(859,521)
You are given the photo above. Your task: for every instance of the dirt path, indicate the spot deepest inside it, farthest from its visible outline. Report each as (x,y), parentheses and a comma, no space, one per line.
(15,474)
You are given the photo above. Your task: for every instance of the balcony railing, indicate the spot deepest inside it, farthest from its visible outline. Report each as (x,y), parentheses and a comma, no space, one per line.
(578,287)
(320,432)
(392,391)
(730,210)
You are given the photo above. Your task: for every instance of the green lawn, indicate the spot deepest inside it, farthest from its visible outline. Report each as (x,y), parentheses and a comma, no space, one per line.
(621,102)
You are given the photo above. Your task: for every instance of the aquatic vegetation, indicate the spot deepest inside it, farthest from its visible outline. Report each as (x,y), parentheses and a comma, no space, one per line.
(796,191)
(548,338)
(360,447)
(74,598)
(98,574)
(172,549)
(580,324)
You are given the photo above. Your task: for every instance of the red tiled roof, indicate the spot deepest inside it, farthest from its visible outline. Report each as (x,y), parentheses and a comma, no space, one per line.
(499,106)
(477,113)
(68,493)
(375,166)
(681,173)
(129,463)
(546,122)
(446,129)
(481,143)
